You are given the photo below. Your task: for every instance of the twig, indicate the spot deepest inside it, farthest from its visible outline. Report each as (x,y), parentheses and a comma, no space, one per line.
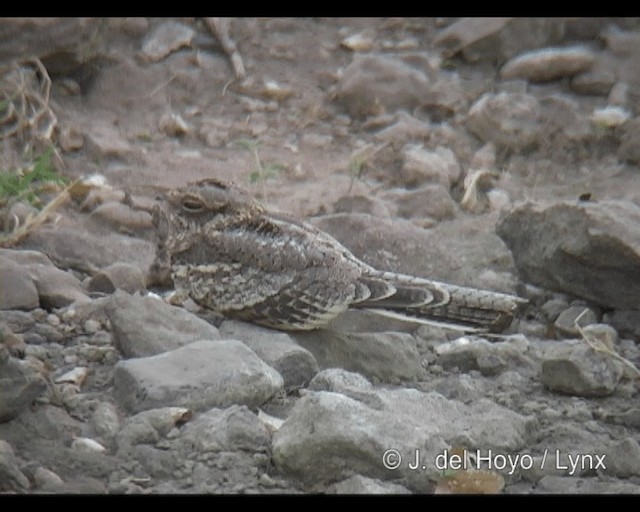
(39,219)
(361,157)
(220,28)
(600,346)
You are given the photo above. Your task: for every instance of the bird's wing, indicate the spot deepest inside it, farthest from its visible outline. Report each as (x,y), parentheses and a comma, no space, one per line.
(275,275)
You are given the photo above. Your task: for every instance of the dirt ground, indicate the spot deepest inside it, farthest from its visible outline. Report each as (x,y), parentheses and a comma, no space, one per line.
(149,109)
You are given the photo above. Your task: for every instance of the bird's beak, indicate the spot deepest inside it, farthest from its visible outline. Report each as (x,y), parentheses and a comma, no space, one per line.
(173,197)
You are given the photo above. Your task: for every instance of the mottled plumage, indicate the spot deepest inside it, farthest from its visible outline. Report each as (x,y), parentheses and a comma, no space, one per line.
(229,254)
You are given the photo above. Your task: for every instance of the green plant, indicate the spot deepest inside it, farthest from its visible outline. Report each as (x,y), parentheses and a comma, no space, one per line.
(262,170)
(361,160)
(28,183)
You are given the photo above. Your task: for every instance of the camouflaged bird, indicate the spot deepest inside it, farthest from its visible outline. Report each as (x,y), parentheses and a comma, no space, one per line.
(229,254)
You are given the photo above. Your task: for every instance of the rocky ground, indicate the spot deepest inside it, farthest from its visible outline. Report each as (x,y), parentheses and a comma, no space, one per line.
(499,153)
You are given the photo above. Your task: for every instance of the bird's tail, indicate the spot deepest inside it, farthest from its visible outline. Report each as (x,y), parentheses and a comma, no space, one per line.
(413,297)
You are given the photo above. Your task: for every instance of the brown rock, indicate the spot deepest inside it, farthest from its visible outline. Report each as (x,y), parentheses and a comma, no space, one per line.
(433,201)
(373,84)
(20,384)
(548,64)
(118,276)
(589,250)
(497,39)
(17,290)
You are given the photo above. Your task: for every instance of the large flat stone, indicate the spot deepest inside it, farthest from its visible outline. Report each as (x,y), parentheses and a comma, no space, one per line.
(17,290)
(589,250)
(144,326)
(328,436)
(199,376)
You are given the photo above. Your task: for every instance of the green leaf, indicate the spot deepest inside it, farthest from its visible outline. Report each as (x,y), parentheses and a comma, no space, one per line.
(248,144)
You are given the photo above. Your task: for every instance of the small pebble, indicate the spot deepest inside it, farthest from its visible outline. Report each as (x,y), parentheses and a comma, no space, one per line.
(46,479)
(85,444)
(91,326)
(53,320)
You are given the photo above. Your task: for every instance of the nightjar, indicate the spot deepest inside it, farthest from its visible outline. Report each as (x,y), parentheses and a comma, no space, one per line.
(230,254)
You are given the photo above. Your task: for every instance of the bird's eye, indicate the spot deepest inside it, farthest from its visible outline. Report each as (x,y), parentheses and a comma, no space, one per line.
(192,205)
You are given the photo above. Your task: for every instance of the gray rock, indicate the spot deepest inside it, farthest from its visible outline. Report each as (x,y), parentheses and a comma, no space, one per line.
(56,288)
(602,333)
(626,322)
(623,459)
(92,250)
(201,375)
(433,201)
(105,142)
(231,429)
(148,427)
(350,384)
(462,387)
(328,436)
(17,321)
(117,276)
(339,380)
(629,148)
(165,39)
(553,307)
(106,420)
(48,334)
(17,290)
(468,354)
(548,64)
(87,445)
(496,39)
(406,128)
(510,354)
(62,44)
(17,216)
(11,478)
(458,251)
(14,342)
(157,463)
(596,82)
(26,258)
(46,480)
(629,418)
(20,384)
(589,250)
(295,364)
(83,485)
(618,101)
(574,368)
(374,83)
(388,357)
(565,324)
(39,427)
(477,39)
(570,485)
(562,123)
(510,121)
(361,204)
(362,485)
(422,165)
(144,326)
(122,217)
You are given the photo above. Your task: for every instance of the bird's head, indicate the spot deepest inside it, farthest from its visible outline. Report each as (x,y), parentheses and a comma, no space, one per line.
(203,206)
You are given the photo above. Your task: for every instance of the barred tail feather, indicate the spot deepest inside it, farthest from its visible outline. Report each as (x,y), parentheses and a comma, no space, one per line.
(448,303)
